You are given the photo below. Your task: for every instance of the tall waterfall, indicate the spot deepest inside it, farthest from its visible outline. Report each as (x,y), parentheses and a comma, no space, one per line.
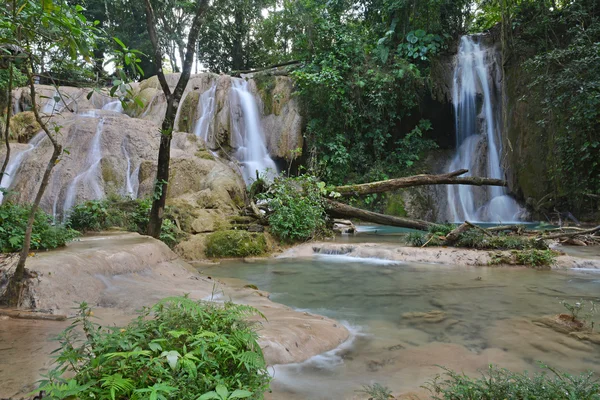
(91,177)
(478,139)
(248,136)
(206,111)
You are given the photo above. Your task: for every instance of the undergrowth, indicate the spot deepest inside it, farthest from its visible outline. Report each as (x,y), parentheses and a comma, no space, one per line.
(500,383)
(235,243)
(119,212)
(45,235)
(178,349)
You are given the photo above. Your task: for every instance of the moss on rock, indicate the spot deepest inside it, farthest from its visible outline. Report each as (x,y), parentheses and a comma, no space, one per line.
(187,115)
(235,244)
(23,126)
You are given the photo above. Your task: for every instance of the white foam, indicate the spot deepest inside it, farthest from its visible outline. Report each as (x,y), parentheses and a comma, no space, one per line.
(336,258)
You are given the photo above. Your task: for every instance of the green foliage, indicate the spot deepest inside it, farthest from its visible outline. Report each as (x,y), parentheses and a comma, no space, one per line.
(45,235)
(441,229)
(376,391)
(178,349)
(416,239)
(535,258)
(476,239)
(562,48)
(118,212)
(235,243)
(503,384)
(580,306)
(421,45)
(297,208)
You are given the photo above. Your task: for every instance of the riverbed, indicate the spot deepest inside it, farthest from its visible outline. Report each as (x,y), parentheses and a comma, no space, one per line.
(407,319)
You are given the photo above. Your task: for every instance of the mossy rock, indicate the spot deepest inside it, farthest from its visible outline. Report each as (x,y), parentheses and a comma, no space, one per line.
(205,155)
(23,127)
(187,114)
(395,205)
(235,244)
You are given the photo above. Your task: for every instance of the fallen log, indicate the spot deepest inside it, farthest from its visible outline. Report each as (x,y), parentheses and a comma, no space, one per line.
(339,210)
(571,234)
(452,178)
(455,233)
(21,314)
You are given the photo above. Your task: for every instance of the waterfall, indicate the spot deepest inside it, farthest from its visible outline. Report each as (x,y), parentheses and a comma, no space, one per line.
(16,161)
(131,177)
(91,176)
(206,111)
(478,140)
(113,106)
(52,105)
(247,134)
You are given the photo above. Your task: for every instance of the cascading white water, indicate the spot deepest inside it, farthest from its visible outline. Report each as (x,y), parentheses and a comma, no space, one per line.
(115,106)
(16,161)
(206,111)
(91,177)
(131,176)
(248,136)
(477,141)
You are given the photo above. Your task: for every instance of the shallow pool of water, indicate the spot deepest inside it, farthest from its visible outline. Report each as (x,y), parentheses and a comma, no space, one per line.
(480,316)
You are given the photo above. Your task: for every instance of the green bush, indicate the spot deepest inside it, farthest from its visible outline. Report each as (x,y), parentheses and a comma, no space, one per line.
(45,236)
(118,212)
(535,258)
(297,206)
(476,239)
(178,349)
(500,384)
(236,243)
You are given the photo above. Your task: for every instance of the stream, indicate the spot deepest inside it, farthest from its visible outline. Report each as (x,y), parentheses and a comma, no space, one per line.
(478,316)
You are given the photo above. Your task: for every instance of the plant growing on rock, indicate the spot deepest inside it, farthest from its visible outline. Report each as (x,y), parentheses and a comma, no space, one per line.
(577,308)
(500,383)
(178,349)
(297,207)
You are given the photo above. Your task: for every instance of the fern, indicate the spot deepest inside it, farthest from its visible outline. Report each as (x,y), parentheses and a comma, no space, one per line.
(117,384)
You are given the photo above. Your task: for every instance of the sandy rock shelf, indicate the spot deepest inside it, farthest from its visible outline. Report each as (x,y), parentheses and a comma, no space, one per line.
(120,273)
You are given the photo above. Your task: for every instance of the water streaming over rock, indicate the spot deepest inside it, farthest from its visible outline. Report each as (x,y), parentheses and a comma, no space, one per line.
(132,182)
(206,111)
(113,106)
(247,134)
(15,162)
(478,138)
(91,177)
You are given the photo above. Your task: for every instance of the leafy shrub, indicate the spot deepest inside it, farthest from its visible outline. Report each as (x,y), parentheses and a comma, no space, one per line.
(476,239)
(45,236)
(178,349)
(416,239)
(236,243)
(298,211)
(376,391)
(504,384)
(132,215)
(535,258)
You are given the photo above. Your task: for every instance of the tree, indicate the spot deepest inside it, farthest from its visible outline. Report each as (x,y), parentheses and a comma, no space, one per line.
(173,99)
(61,27)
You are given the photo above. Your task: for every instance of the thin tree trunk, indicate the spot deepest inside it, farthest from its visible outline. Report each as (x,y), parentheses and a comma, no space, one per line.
(451,178)
(8,115)
(173,99)
(14,291)
(340,210)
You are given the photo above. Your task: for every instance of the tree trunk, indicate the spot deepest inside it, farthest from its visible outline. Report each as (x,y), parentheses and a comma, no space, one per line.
(173,99)
(451,178)
(13,293)
(340,210)
(237,50)
(8,115)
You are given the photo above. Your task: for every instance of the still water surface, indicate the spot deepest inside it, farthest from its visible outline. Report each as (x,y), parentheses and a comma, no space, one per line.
(482,316)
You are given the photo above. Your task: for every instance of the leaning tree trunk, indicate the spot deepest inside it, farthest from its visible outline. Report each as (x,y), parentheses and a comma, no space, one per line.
(7,126)
(173,99)
(14,291)
(451,178)
(339,210)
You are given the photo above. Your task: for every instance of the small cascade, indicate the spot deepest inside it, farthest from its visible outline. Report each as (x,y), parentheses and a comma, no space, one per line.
(91,177)
(206,111)
(17,160)
(52,106)
(131,177)
(248,136)
(115,106)
(477,140)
